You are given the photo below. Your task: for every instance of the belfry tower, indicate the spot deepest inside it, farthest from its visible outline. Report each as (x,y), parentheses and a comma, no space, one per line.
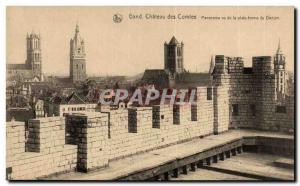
(174,56)
(77,58)
(279,71)
(34,55)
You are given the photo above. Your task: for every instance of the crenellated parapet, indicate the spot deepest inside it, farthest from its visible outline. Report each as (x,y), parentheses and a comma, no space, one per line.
(46,152)
(253,92)
(87,141)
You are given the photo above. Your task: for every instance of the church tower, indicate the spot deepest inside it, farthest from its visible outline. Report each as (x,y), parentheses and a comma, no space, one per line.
(174,56)
(77,58)
(279,71)
(34,55)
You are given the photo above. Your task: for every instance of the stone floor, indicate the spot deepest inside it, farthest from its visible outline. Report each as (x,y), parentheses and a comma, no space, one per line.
(123,167)
(247,166)
(209,175)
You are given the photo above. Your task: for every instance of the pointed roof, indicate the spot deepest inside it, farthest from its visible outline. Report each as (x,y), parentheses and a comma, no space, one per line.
(77,37)
(74,98)
(279,51)
(173,41)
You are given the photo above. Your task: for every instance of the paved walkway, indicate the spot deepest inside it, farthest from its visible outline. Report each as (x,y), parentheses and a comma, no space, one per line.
(255,164)
(123,167)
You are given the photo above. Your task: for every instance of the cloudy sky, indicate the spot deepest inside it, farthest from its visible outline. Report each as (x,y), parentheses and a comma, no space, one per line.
(130,47)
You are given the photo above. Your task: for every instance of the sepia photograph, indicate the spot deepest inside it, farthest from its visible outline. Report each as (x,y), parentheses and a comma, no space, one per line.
(150,93)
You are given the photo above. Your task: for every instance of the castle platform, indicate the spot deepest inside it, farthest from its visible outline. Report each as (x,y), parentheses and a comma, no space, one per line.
(171,161)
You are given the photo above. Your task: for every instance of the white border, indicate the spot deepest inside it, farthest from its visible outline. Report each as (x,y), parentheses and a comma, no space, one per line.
(5,3)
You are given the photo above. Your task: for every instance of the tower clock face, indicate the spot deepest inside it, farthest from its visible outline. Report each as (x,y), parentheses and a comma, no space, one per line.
(280,66)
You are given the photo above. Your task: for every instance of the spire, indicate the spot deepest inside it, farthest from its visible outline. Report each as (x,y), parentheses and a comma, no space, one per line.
(77,28)
(279,48)
(212,65)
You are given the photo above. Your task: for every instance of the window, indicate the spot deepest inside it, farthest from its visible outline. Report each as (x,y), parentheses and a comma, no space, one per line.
(253,109)
(280,109)
(235,109)
(209,93)
(162,117)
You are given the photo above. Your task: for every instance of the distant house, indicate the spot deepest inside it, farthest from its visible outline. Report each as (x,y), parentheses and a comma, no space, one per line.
(60,106)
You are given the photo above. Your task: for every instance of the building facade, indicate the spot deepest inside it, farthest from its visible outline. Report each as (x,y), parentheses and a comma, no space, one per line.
(60,106)
(77,58)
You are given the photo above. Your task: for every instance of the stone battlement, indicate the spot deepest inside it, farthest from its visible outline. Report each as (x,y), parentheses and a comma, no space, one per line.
(253,93)
(85,142)
(88,141)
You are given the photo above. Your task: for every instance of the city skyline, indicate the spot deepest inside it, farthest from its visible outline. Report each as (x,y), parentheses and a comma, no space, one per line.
(134,59)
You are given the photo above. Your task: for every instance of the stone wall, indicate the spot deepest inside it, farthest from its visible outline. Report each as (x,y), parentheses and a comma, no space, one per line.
(90,133)
(46,138)
(221,109)
(15,141)
(154,127)
(252,94)
(91,140)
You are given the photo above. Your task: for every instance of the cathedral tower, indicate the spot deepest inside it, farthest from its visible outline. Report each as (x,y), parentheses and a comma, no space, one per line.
(279,71)
(34,55)
(174,56)
(77,58)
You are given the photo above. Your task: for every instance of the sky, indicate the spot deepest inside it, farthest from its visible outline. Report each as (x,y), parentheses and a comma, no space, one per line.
(133,45)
